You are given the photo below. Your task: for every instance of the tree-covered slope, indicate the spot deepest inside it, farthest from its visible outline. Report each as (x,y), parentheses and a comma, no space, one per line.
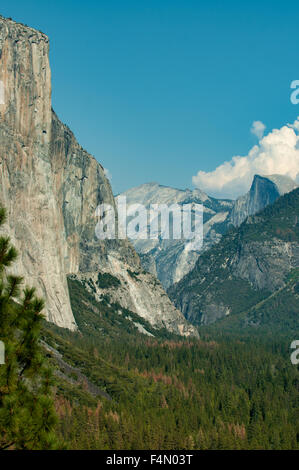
(119,389)
(216,393)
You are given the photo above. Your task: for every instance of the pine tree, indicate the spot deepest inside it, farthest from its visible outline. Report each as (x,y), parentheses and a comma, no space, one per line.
(27,416)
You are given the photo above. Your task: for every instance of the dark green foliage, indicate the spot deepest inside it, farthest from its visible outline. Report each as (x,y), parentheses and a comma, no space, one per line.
(27,416)
(133,274)
(106,281)
(223,393)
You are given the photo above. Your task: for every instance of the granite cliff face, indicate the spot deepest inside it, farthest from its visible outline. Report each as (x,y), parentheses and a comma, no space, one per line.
(51,187)
(27,184)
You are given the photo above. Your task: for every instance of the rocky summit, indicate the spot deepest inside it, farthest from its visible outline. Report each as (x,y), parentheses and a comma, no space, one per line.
(51,188)
(264,191)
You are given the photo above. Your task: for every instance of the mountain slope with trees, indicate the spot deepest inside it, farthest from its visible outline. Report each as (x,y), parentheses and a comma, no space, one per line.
(248,266)
(221,392)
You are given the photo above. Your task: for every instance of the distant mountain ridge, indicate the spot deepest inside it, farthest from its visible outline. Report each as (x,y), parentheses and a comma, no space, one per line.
(252,264)
(171,260)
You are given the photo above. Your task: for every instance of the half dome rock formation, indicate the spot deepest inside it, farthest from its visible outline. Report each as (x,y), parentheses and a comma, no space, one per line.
(51,188)
(264,191)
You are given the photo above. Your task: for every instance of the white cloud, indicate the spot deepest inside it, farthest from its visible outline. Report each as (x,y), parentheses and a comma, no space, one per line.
(276,153)
(258,129)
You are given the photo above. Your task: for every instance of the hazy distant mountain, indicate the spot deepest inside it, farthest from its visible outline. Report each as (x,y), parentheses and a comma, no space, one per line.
(170,260)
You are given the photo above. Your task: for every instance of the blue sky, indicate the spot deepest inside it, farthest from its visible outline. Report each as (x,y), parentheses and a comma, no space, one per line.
(158,90)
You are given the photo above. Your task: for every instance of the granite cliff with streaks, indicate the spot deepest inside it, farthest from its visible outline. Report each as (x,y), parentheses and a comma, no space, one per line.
(51,187)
